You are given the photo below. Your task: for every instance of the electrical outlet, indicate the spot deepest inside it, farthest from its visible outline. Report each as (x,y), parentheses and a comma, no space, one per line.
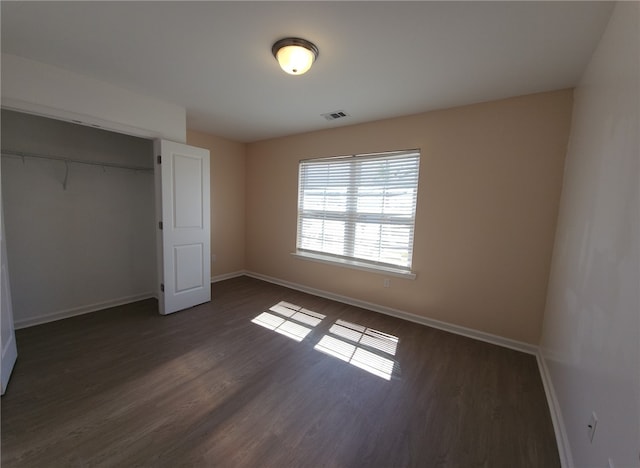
(387,282)
(591,427)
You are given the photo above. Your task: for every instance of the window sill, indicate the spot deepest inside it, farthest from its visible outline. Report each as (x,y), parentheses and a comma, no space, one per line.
(355,265)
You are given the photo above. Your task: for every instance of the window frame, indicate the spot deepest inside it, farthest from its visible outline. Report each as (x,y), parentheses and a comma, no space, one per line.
(351,217)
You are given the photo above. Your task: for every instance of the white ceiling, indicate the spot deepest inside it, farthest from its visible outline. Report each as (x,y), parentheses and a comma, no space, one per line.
(377,59)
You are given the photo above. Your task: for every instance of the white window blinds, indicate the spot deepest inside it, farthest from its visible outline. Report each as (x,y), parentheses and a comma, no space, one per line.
(359,207)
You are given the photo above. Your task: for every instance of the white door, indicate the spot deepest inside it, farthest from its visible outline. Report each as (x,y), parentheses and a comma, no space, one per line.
(7,335)
(182,209)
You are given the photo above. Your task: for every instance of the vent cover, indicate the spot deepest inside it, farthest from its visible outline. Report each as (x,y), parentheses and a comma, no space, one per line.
(335,115)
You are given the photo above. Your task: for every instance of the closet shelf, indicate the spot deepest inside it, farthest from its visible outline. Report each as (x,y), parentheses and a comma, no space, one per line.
(21,154)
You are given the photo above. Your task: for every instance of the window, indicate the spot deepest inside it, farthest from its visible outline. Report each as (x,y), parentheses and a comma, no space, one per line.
(359,210)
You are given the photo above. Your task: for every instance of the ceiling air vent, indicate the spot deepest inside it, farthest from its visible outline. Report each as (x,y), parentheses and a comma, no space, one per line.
(335,115)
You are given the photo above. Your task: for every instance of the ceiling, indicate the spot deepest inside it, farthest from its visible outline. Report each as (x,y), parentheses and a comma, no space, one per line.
(377,59)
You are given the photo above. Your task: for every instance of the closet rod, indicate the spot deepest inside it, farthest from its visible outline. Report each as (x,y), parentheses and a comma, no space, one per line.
(21,154)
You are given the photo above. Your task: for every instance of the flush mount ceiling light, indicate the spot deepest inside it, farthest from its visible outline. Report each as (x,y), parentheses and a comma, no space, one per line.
(295,55)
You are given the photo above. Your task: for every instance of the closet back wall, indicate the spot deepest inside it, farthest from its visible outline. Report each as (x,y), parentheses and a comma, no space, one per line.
(86,247)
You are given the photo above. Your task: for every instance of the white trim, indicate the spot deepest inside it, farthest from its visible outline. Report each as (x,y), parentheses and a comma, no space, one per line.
(449,327)
(226,276)
(63,314)
(80,119)
(343,262)
(562,440)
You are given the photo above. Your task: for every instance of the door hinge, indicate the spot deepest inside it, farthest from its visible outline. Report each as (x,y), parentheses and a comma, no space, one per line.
(162,287)
(160,225)
(159,159)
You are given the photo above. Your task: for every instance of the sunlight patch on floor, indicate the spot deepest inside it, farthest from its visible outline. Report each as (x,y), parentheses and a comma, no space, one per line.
(362,347)
(289,320)
(368,349)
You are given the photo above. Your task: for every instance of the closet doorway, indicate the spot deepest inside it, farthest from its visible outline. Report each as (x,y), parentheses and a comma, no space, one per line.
(82,225)
(79,217)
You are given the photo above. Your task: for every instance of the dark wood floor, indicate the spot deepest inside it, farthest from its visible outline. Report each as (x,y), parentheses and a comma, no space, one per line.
(208,387)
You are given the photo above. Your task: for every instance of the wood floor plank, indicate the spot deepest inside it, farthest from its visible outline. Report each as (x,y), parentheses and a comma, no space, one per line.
(208,387)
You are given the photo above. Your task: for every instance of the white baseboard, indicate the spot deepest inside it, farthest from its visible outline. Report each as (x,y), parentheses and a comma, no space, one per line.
(564,449)
(457,329)
(226,276)
(63,314)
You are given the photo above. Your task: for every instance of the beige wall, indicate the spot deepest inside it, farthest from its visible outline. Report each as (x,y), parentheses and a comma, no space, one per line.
(490,180)
(227,201)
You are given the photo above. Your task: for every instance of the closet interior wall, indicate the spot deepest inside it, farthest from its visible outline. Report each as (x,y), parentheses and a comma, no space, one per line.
(80,237)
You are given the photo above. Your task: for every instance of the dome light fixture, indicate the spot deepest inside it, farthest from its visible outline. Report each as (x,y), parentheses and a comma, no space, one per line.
(295,55)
